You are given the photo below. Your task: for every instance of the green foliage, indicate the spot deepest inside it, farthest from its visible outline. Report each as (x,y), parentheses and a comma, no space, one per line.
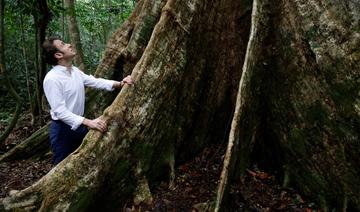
(97,19)
(14,58)
(5,117)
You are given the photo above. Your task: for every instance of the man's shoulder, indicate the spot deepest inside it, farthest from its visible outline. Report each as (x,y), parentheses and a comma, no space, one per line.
(78,72)
(50,74)
(76,69)
(53,75)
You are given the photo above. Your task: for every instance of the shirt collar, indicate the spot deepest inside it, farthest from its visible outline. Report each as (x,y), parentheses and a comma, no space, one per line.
(62,69)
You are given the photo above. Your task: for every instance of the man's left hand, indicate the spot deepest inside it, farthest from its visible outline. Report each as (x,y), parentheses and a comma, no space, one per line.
(128,80)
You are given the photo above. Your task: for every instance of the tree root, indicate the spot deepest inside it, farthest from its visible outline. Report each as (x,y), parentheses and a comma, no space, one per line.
(34,146)
(142,192)
(254,49)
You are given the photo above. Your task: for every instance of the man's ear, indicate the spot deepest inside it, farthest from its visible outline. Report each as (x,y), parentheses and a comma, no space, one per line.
(58,55)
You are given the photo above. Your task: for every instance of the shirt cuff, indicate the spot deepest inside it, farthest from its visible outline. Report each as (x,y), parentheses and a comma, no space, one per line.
(110,85)
(77,122)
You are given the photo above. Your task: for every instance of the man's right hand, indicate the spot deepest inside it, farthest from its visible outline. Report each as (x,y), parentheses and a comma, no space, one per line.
(95,124)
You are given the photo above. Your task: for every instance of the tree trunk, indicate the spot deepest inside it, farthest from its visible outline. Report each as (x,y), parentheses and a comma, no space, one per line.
(64,32)
(311,98)
(8,83)
(41,19)
(25,59)
(298,101)
(74,33)
(308,101)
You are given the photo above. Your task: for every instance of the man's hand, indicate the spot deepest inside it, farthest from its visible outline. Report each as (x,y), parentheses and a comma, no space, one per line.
(95,124)
(128,80)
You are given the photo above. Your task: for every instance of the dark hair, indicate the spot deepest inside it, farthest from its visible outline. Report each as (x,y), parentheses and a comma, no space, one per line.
(50,50)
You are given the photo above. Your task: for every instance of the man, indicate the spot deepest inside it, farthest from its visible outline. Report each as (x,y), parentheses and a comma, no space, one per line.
(64,89)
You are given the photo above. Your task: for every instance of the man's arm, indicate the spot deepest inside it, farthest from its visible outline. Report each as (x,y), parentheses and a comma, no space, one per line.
(100,83)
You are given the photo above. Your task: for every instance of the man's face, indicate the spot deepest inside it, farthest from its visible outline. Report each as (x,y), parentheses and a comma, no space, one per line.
(66,50)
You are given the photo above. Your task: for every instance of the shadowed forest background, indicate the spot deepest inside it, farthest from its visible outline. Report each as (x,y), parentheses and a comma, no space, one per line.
(23,22)
(249,105)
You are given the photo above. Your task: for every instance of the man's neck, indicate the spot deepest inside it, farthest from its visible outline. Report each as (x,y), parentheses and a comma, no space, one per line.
(67,64)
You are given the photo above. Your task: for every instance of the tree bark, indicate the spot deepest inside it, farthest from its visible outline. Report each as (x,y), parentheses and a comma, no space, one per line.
(298,102)
(309,101)
(74,33)
(312,97)
(246,103)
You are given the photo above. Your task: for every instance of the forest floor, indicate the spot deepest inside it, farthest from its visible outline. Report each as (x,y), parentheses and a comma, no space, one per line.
(194,186)
(17,175)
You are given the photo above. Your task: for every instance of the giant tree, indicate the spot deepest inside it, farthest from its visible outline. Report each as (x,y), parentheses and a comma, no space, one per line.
(284,74)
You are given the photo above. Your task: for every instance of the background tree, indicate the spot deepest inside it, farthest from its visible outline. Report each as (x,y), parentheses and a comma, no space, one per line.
(3,72)
(26,67)
(74,33)
(41,15)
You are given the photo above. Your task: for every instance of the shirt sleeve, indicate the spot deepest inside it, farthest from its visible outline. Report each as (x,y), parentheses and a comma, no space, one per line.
(54,95)
(100,83)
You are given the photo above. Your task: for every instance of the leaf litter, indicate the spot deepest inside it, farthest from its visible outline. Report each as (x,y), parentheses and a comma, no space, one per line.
(196,185)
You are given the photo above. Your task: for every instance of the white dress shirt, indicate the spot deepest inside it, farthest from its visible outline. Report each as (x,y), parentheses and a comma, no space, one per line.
(65,92)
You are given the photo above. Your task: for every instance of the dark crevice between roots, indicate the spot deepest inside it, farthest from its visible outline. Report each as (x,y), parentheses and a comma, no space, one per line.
(267,153)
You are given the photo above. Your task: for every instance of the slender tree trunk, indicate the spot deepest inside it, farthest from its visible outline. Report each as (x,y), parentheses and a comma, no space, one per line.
(30,98)
(37,113)
(41,19)
(63,21)
(110,25)
(8,83)
(74,32)
(296,105)
(103,35)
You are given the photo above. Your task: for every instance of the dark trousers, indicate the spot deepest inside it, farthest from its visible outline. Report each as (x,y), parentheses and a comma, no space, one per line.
(63,140)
